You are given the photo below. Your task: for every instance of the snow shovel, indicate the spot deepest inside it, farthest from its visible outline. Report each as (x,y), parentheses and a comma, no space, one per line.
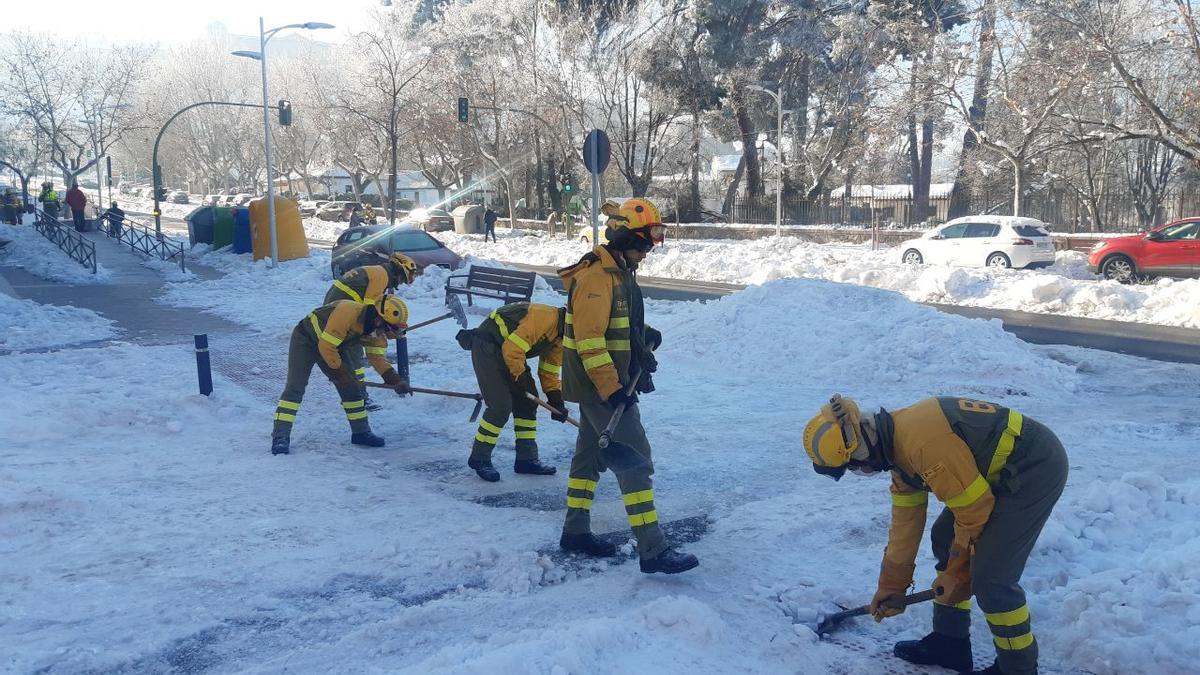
(456,312)
(830,622)
(551,408)
(617,455)
(436,392)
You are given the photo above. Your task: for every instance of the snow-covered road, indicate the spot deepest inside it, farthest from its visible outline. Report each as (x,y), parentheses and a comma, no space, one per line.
(151,530)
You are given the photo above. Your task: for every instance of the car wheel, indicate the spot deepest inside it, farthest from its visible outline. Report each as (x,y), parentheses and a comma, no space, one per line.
(1119,268)
(912,257)
(999,260)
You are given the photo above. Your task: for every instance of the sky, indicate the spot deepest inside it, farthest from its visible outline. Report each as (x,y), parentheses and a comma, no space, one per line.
(176,21)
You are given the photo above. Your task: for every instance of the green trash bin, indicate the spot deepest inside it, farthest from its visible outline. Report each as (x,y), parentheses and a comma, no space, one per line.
(222,227)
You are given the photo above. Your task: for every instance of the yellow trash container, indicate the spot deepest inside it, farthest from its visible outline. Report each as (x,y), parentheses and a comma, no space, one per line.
(289,229)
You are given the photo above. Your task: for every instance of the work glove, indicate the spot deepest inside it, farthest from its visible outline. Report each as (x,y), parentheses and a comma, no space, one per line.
(653,338)
(524,382)
(555,399)
(620,396)
(649,362)
(953,585)
(645,384)
(393,379)
(894,580)
(343,378)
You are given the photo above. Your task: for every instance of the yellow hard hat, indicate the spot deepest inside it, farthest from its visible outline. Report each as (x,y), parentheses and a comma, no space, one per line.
(832,435)
(638,217)
(392,310)
(404,264)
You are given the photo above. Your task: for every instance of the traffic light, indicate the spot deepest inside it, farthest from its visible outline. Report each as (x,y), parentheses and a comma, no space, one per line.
(285,113)
(567,183)
(464,109)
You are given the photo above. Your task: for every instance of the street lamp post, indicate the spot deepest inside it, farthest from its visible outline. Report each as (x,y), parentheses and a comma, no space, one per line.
(96,150)
(261,56)
(778,153)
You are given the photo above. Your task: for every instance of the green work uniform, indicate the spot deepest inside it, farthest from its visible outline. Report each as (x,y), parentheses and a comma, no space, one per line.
(363,285)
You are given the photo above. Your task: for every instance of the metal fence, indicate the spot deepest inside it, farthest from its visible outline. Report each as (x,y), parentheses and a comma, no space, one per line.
(71,242)
(142,239)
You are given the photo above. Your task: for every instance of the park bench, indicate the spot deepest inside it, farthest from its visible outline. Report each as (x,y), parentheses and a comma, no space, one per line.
(492,282)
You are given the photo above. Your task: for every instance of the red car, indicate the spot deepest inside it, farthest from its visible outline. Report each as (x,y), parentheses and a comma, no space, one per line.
(1171,250)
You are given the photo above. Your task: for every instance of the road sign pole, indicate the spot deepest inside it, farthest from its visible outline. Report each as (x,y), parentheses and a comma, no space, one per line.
(595,200)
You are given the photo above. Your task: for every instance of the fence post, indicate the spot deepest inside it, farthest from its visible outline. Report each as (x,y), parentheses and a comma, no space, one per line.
(203,367)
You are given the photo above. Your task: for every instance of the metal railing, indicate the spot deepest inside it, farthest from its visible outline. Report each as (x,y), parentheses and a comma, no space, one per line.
(71,242)
(142,239)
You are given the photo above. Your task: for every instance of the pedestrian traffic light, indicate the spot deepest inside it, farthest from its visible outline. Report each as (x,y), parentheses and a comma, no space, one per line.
(464,108)
(285,113)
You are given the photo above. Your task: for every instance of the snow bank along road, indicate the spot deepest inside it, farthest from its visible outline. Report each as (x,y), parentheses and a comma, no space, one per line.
(150,529)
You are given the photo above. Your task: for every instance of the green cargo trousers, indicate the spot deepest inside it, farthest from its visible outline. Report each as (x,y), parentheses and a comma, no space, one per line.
(1025,496)
(637,487)
(302,356)
(503,397)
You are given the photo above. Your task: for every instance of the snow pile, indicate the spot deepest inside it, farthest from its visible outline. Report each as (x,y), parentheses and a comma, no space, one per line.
(28,249)
(25,324)
(1064,288)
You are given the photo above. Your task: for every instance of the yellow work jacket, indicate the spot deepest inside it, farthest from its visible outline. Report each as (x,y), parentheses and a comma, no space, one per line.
(597,337)
(956,449)
(525,330)
(340,324)
(363,285)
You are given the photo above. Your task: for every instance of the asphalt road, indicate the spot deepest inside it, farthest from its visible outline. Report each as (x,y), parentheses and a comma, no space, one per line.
(1162,343)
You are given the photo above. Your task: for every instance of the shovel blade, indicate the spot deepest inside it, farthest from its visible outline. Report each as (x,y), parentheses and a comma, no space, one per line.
(619,456)
(475,412)
(456,308)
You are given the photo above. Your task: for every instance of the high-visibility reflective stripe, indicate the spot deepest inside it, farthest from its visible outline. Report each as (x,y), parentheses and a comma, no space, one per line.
(284,417)
(377,350)
(519,341)
(639,519)
(597,361)
(335,341)
(496,319)
(1010,618)
(523,422)
(581,484)
(550,368)
(973,492)
(579,503)
(910,499)
(356,415)
(490,440)
(570,318)
(353,404)
(348,291)
(638,497)
(619,322)
(526,435)
(618,345)
(1004,447)
(965,604)
(289,405)
(589,343)
(484,424)
(1015,643)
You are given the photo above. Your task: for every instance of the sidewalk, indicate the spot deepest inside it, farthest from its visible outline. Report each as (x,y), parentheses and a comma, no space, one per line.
(128,299)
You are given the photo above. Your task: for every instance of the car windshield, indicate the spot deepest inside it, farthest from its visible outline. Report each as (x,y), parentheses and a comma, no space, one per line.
(413,240)
(1030,231)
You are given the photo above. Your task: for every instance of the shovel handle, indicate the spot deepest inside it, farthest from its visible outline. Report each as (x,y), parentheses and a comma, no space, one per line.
(916,598)
(606,435)
(427,322)
(549,407)
(421,390)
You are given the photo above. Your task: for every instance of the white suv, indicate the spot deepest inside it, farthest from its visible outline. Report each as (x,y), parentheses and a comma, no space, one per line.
(983,241)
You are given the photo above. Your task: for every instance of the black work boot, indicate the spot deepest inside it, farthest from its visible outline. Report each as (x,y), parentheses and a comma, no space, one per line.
(937,649)
(669,561)
(533,466)
(368,439)
(484,469)
(280,445)
(587,544)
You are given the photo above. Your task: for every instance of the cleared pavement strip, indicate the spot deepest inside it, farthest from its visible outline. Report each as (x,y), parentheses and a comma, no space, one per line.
(1151,341)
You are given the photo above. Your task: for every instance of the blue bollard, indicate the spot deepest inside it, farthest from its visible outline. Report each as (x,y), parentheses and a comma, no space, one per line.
(402,357)
(203,367)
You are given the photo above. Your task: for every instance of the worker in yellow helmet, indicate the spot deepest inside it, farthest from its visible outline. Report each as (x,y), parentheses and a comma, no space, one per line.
(365,285)
(999,474)
(606,344)
(325,338)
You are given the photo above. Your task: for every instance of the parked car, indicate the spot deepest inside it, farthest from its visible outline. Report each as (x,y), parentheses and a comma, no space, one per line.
(359,246)
(432,220)
(307,208)
(983,241)
(241,199)
(336,211)
(1171,250)
(584,233)
(178,197)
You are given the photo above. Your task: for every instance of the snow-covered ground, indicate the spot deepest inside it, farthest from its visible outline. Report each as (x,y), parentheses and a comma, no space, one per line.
(155,532)
(35,254)
(1064,288)
(25,324)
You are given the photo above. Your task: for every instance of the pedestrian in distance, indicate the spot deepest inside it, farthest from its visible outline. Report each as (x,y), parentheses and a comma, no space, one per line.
(49,199)
(116,219)
(12,206)
(365,285)
(606,346)
(489,223)
(999,474)
(324,338)
(77,201)
(500,347)
(368,215)
(355,216)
